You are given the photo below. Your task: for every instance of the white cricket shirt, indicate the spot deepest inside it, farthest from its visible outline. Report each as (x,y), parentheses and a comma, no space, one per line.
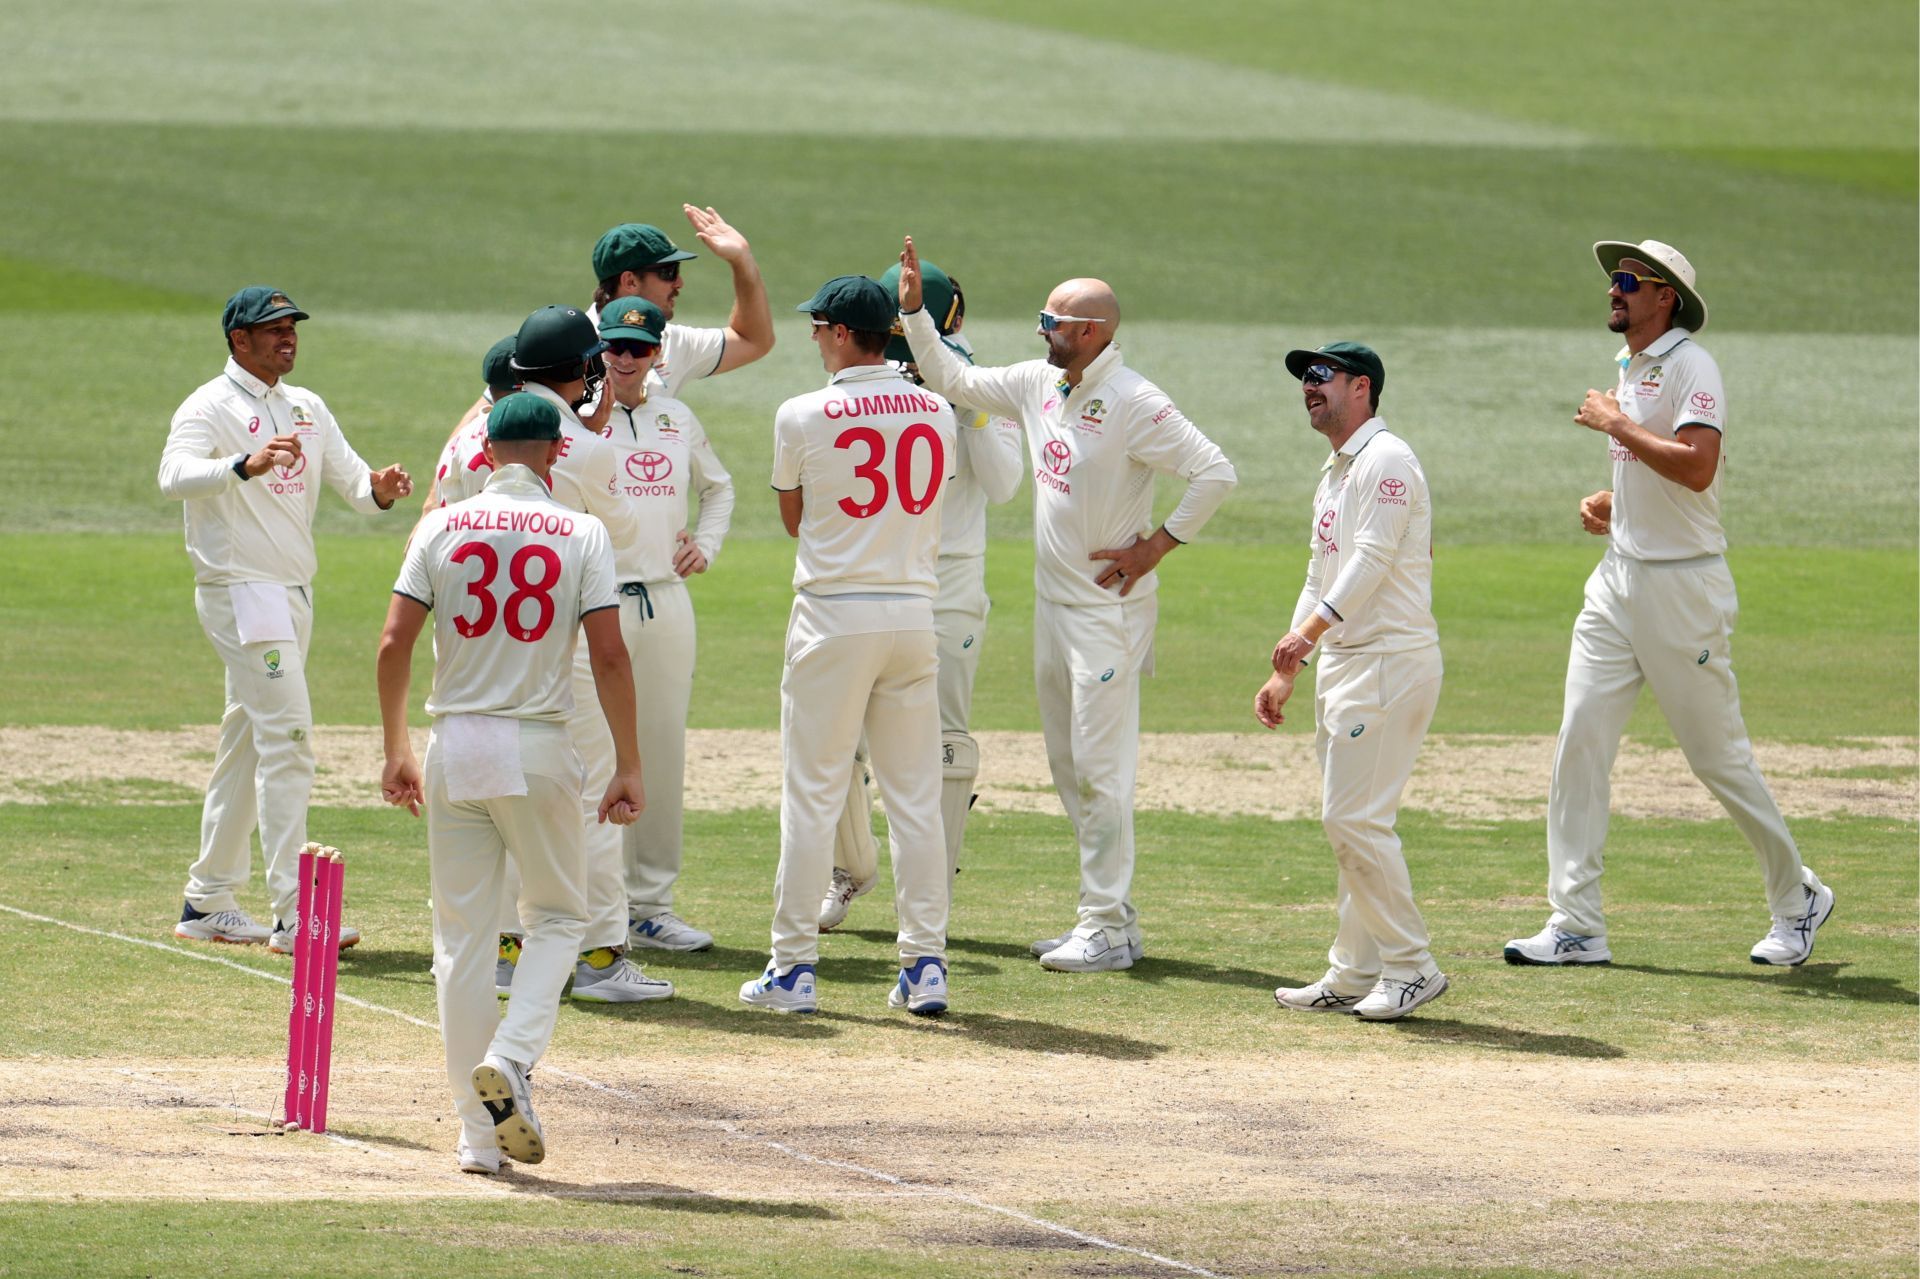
(1370,550)
(1094,449)
(508,573)
(663,456)
(1671,384)
(686,354)
(874,455)
(259,529)
(991,458)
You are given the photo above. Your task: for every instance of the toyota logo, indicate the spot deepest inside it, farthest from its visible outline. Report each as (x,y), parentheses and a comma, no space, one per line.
(1393,488)
(649,466)
(1702,401)
(1059,457)
(288,472)
(1326,525)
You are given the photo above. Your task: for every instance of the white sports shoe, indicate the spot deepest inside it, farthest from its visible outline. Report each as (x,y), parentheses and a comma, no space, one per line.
(1789,943)
(921,989)
(1093,954)
(284,934)
(1316,998)
(788,992)
(1394,997)
(1135,947)
(667,931)
(484,1160)
(235,927)
(840,895)
(502,1086)
(1555,945)
(620,982)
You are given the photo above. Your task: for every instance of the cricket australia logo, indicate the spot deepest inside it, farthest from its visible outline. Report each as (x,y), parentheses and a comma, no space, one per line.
(272,658)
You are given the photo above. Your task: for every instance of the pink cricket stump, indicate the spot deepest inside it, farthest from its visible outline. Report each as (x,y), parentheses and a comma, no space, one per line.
(334,872)
(299,1015)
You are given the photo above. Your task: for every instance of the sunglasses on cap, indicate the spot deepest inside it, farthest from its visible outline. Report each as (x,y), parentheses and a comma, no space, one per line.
(631,347)
(1628,282)
(1049,322)
(1320,374)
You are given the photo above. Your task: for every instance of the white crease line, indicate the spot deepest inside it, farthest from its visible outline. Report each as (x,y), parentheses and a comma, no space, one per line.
(723,1125)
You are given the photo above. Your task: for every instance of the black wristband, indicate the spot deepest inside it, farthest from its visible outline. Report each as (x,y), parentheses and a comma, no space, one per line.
(240,468)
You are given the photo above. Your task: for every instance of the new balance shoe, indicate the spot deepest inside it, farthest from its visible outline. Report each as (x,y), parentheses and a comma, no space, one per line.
(607,976)
(503,966)
(483,1160)
(1316,998)
(1135,947)
(788,992)
(1789,943)
(502,1086)
(667,931)
(840,895)
(1555,945)
(234,927)
(281,943)
(1093,954)
(922,988)
(1393,997)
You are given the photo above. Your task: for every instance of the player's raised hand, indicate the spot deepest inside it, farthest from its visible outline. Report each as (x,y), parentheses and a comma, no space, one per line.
(1272,697)
(714,231)
(625,799)
(600,420)
(909,277)
(401,784)
(688,558)
(391,484)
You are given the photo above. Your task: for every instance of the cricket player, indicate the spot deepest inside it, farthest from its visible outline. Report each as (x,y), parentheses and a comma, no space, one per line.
(1369,596)
(1659,610)
(246,456)
(862,467)
(496,372)
(513,574)
(1096,433)
(989,462)
(551,353)
(665,457)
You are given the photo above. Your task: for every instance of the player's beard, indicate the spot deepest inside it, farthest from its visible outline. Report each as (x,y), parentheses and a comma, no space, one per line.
(1058,353)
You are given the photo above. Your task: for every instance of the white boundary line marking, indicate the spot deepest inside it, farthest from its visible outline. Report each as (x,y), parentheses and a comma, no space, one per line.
(726,1126)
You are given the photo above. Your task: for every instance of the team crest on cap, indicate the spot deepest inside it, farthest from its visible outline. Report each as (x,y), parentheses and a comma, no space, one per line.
(279,299)
(634,317)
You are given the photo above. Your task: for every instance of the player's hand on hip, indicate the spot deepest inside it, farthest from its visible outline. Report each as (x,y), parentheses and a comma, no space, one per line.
(909,276)
(688,558)
(1600,411)
(624,801)
(401,784)
(1273,695)
(1596,512)
(714,231)
(390,485)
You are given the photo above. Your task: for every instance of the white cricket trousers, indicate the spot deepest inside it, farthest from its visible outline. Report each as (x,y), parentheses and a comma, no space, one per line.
(1087,664)
(1668,624)
(263,766)
(662,647)
(860,664)
(469,845)
(1371,712)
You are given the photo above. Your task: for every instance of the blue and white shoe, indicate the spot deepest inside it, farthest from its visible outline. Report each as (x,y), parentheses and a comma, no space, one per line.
(1320,997)
(1789,943)
(1555,945)
(788,992)
(667,931)
(1394,997)
(922,988)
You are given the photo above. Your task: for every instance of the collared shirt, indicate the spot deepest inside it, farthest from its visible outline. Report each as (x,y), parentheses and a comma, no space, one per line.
(873,454)
(1671,384)
(686,354)
(1094,449)
(582,480)
(664,455)
(509,574)
(991,460)
(1370,550)
(259,529)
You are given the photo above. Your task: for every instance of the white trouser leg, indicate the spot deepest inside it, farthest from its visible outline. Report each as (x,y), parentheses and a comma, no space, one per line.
(1683,628)
(662,647)
(263,770)
(903,727)
(960,624)
(1088,673)
(1603,681)
(1371,712)
(606,867)
(467,850)
(854,848)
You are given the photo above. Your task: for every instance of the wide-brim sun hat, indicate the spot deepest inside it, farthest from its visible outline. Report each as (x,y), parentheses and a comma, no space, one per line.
(1671,265)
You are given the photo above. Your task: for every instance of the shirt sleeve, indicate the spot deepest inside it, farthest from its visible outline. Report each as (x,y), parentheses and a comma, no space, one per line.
(715,489)
(343,469)
(996,453)
(1160,436)
(1381,496)
(1310,591)
(416,581)
(1001,391)
(188,467)
(1699,398)
(598,589)
(692,354)
(789,448)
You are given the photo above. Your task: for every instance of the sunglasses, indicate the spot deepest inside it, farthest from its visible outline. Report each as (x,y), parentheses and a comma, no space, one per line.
(1049,322)
(665,270)
(1628,282)
(1319,374)
(630,347)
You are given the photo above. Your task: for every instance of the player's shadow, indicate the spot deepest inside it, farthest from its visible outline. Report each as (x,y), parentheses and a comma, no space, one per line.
(1151,968)
(696,1014)
(403,967)
(659,1195)
(1502,1038)
(1017,1033)
(1809,981)
(967,967)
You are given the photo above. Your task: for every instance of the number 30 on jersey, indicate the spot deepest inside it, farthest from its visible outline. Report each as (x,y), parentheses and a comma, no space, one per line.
(872,469)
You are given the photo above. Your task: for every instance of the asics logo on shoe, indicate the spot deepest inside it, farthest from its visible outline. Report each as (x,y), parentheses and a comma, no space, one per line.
(1332,999)
(1565,942)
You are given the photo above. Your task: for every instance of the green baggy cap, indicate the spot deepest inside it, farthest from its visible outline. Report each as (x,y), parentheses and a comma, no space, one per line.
(522,416)
(634,318)
(497,367)
(937,295)
(256,304)
(855,301)
(1349,356)
(634,246)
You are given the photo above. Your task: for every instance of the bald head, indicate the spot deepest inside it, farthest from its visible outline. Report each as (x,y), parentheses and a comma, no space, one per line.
(1089,299)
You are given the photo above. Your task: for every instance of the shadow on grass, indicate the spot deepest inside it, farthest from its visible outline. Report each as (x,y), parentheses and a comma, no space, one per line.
(695,1014)
(1152,968)
(1017,1033)
(1503,1038)
(659,1195)
(1810,981)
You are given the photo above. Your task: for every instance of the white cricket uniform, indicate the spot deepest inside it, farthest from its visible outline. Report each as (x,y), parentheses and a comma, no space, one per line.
(509,574)
(1370,564)
(872,454)
(686,355)
(1094,449)
(664,457)
(586,478)
(251,544)
(1660,609)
